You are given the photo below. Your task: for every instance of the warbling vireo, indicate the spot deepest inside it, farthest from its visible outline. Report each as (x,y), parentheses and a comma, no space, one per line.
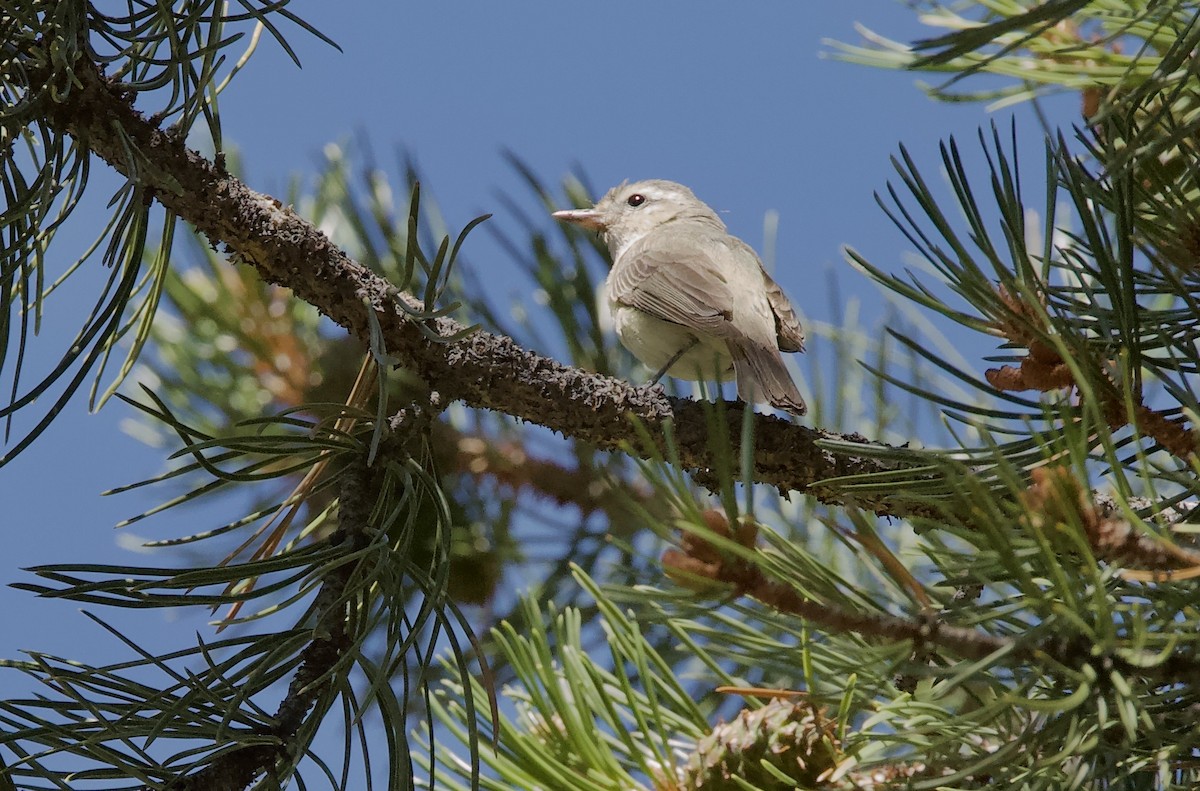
(690,300)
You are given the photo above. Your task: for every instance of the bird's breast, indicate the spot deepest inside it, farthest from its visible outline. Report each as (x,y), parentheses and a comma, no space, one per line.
(655,342)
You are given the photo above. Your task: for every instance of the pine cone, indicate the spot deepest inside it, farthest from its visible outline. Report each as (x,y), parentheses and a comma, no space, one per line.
(793,738)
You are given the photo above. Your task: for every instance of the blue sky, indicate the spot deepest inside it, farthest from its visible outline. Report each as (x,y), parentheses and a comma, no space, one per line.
(732,99)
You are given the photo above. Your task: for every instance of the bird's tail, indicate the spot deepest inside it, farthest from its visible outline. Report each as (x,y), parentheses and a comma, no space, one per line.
(762,376)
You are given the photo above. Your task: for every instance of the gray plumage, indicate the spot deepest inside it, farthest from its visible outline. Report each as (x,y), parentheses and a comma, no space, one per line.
(690,299)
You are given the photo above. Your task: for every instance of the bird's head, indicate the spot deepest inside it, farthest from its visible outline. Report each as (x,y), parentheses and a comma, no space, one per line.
(628,212)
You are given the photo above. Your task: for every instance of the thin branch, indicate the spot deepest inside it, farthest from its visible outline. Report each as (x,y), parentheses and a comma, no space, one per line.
(237,769)
(699,564)
(512,465)
(1044,370)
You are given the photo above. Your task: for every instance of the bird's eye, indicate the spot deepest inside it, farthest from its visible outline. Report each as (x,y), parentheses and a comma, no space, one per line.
(636,200)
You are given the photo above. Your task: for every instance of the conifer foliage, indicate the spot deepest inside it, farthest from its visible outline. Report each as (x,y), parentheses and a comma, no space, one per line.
(993,588)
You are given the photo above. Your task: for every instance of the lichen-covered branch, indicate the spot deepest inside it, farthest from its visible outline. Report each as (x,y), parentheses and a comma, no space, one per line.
(483,370)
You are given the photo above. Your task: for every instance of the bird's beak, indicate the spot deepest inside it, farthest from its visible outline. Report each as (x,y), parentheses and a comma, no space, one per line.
(586,218)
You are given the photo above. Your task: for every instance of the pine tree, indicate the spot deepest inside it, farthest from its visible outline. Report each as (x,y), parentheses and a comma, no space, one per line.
(845,607)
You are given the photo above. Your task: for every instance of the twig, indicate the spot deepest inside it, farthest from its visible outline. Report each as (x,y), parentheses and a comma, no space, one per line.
(1044,369)
(700,564)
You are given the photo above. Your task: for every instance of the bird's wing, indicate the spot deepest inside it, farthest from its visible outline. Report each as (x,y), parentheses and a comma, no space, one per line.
(673,277)
(787,326)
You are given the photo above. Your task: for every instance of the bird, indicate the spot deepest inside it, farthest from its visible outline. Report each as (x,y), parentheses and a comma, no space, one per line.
(689,299)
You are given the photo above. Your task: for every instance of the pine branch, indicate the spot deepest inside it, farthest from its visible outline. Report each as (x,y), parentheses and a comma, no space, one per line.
(511,465)
(483,370)
(333,613)
(700,562)
(1044,369)
(1054,637)
(237,769)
